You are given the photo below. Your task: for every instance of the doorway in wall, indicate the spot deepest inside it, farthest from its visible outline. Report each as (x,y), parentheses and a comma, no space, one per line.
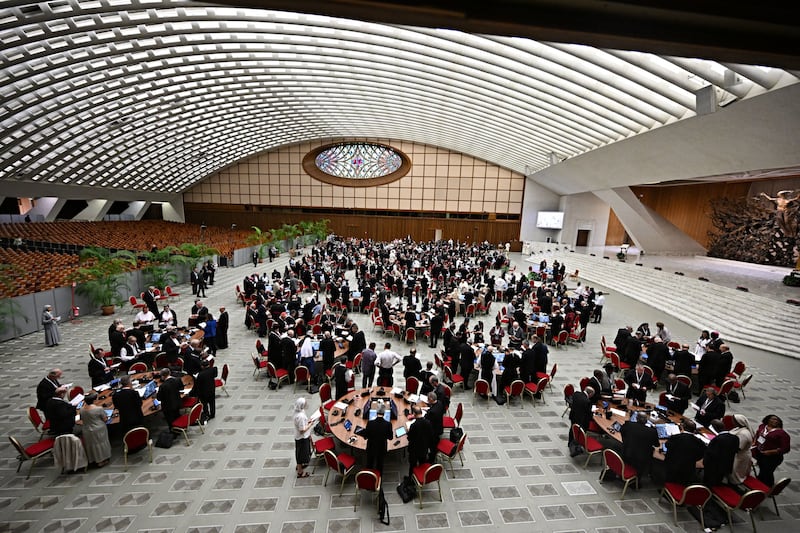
(583,237)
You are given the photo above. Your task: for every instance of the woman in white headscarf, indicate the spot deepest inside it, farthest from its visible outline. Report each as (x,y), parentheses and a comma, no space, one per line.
(302,437)
(52,336)
(744,458)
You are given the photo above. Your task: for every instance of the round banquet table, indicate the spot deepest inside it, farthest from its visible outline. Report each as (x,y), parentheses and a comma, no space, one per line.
(336,421)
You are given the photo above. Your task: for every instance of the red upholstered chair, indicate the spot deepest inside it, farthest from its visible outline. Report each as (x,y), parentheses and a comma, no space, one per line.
(551,375)
(220,382)
(412,384)
(138,366)
(367,479)
(261,349)
(260,365)
(730,500)
(686,380)
(320,446)
(754,484)
(41,426)
(516,388)
(450,449)
(32,451)
(356,363)
(411,336)
(184,422)
(562,338)
(455,379)
(738,370)
(187,402)
(280,375)
(590,444)
(614,463)
(74,391)
(691,496)
(136,439)
(532,389)
(481,388)
(135,305)
(302,375)
(569,390)
(343,464)
(616,361)
(427,473)
(742,384)
(325,396)
(455,421)
(171,293)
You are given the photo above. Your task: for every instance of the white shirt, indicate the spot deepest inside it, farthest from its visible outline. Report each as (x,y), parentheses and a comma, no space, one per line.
(300,423)
(387,359)
(145,317)
(600,300)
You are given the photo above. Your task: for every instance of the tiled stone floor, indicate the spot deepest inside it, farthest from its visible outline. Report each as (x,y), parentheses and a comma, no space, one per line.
(239,475)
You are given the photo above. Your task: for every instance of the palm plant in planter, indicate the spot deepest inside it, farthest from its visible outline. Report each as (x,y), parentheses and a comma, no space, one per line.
(101,276)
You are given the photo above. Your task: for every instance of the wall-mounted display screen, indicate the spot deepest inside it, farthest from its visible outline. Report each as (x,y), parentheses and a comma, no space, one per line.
(550,219)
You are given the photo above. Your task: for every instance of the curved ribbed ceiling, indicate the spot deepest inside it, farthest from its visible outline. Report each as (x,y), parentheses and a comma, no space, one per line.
(156,95)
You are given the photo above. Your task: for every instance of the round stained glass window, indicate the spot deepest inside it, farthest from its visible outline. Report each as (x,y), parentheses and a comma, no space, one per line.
(356,164)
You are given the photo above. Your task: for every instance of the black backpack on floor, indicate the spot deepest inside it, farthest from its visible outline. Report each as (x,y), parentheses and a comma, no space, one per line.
(407,490)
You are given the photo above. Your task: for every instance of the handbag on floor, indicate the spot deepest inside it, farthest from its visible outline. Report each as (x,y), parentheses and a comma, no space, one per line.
(407,490)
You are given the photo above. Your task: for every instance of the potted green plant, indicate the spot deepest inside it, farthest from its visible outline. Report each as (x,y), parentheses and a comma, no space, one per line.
(101,276)
(259,238)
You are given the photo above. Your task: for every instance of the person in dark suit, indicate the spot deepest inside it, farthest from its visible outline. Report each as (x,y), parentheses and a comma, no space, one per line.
(527,366)
(467,362)
(340,378)
(195,279)
(657,354)
(684,360)
(60,413)
(358,343)
(638,442)
(633,350)
(639,382)
(709,407)
(724,364)
(678,394)
(421,442)
(540,351)
(683,452)
(412,366)
(623,334)
(129,405)
(98,369)
(223,320)
(581,411)
(719,456)
(437,322)
(192,360)
(169,394)
(435,416)
(46,388)
(600,382)
(328,348)
(149,297)
(378,433)
(707,369)
(289,354)
(205,390)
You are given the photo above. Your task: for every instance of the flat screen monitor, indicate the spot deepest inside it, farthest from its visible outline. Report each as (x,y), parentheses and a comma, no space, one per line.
(550,219)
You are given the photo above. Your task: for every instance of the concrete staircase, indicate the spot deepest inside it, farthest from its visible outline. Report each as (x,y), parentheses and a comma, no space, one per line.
(741,317)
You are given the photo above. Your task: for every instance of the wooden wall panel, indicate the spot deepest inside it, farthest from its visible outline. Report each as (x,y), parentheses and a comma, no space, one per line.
(615,234)
(687,206)
(355,225)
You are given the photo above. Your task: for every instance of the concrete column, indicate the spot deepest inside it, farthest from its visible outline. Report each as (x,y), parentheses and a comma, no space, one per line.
(48,207)
(96,210)
(137,209)
(650,231)
(172,211)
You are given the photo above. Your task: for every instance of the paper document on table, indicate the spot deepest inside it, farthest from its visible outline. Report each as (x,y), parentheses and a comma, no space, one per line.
(397,390)
(413,398)
(101,388)
(409,423)
(618,412)
(76,400)
(341,405)
(186,391)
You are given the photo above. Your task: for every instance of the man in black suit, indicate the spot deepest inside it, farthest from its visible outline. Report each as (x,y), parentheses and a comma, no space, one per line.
(623,334)
(421,442)
(117,338)
(527,367)
(328,348)
(724,364)
(205,390)
(150,299)
(707,368)
(47,387)
(437,321)
(540,351)
(638,443)
(639,382)
(467,362)
(683,452)
(684,360)
(633,350)
(194,279)
(169,394)
(435,416)
(411,365)
(378,433)
(719,456)
(678,394)
(657,354)
(358,342)
(223,321)
(709,407)
(581,411)
(193,359)
(129,405)
(98,369)
(60,413)
(289,354)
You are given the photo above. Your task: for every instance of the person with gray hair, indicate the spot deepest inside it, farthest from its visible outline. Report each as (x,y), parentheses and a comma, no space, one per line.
(302,436)
(435,415)
(378,433)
